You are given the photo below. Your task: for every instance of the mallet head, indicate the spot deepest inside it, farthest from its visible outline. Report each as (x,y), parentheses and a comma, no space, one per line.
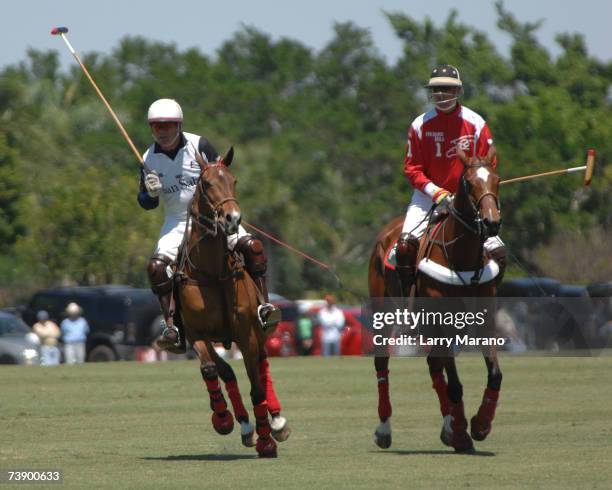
(56,31)
(590,164)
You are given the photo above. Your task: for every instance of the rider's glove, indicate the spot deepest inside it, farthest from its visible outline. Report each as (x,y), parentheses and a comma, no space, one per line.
(442,197)
(153,184)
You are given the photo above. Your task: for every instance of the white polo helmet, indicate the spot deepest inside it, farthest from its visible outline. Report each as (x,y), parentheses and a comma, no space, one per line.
(165,110)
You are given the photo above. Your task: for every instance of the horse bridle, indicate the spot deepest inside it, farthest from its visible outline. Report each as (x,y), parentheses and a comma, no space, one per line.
(209,224)
(477,220)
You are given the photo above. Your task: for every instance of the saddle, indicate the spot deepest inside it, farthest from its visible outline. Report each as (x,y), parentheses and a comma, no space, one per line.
(198,278)
(441,273)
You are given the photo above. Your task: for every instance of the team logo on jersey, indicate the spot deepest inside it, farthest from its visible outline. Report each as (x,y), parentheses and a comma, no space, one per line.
(464,142)
(436,135)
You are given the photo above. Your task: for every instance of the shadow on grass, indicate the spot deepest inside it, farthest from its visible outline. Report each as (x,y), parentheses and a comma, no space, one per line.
(201,457)
(434,452)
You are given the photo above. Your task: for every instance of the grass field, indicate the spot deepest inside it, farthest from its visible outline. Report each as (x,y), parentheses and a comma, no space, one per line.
(128,425)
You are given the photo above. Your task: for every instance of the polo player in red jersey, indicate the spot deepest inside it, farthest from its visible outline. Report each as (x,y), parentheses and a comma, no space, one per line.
(434,169)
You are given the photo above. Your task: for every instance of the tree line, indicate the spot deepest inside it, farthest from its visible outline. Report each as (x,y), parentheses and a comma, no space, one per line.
(319,139)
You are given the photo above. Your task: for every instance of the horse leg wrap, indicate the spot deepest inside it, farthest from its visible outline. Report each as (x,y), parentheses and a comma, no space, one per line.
(266,446)
(384,402)
(262,423)
(461,440)
(482,421)
(486,412)
(236,399)
(274,406)
(217,401)
(439,385)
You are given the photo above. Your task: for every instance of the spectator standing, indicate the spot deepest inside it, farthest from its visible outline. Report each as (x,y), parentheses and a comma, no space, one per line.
(74,331)
(331,318)
(49,333)
(304,325)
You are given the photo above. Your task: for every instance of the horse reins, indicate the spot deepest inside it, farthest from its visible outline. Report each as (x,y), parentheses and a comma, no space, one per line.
(478,230)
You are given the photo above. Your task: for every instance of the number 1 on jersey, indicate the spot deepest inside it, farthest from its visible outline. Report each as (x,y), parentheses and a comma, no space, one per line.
(438,149)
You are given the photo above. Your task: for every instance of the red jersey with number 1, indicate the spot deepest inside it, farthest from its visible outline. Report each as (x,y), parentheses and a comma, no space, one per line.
(431,150)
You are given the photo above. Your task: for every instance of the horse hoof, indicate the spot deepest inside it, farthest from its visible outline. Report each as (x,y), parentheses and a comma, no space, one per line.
(479,429)
(462,443)
(383,441)
(446,434)
(469,450)
(247,434)
(280,429)
(382,435)
(223,423)
(266,448)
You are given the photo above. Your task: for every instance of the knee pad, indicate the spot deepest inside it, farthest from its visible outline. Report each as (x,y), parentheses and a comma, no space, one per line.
(254,255)
(158,274)
(499,255)
(407,249)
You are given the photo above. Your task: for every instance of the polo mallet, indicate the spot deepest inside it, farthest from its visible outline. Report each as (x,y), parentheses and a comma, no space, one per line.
(588,171)
(61,31)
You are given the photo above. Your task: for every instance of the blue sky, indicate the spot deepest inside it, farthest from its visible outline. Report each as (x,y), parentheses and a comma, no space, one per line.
(98,26)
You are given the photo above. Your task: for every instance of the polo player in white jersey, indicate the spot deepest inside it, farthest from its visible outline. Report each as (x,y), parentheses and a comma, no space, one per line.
(173,173)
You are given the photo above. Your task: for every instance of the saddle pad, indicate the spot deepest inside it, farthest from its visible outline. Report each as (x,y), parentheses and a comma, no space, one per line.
(445,275)
(390,257)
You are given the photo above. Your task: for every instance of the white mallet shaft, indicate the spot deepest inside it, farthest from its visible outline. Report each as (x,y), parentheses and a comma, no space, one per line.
(588,168)
(61,31)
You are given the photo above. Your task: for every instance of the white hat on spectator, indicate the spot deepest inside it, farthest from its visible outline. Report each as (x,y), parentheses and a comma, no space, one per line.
(73,309)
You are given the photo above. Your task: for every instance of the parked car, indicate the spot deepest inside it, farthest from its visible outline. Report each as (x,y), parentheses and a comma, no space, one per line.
(119,317)
(18,344)
(529,288)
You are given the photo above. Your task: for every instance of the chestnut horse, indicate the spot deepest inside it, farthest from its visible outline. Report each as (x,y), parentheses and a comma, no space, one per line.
(457,245)
(217,301)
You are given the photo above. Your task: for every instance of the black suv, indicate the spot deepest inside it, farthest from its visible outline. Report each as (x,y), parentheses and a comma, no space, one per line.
(119,317)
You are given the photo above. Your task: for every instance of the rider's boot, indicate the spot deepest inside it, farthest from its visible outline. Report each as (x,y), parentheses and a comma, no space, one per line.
(256,265)
(161,284)
(406,254)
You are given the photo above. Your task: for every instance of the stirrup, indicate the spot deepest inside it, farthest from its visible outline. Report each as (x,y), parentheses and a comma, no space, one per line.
(268,316)
(170,339)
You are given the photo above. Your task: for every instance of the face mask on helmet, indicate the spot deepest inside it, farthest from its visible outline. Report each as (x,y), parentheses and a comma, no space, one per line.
(165,111)
(446,87)
(445,98)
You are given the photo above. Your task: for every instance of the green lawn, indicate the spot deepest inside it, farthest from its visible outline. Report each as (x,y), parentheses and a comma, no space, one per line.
(128,425)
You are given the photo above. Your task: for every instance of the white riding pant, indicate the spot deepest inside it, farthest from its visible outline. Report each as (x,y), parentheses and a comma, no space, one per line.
(171,237)
(416,221)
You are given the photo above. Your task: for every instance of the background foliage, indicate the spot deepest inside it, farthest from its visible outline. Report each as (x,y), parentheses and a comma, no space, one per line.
(319,138)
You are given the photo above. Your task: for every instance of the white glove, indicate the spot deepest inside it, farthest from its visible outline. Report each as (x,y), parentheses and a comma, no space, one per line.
(153,184)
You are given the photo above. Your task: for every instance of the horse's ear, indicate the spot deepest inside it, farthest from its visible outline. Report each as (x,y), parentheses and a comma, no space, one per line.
(462,156)
(229,156)
(491,154)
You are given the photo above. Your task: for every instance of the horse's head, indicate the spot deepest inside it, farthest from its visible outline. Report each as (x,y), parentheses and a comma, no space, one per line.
(214,204)
(480,184)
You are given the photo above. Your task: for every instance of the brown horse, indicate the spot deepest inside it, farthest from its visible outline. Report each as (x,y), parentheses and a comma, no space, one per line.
(218,300)
(454,247)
